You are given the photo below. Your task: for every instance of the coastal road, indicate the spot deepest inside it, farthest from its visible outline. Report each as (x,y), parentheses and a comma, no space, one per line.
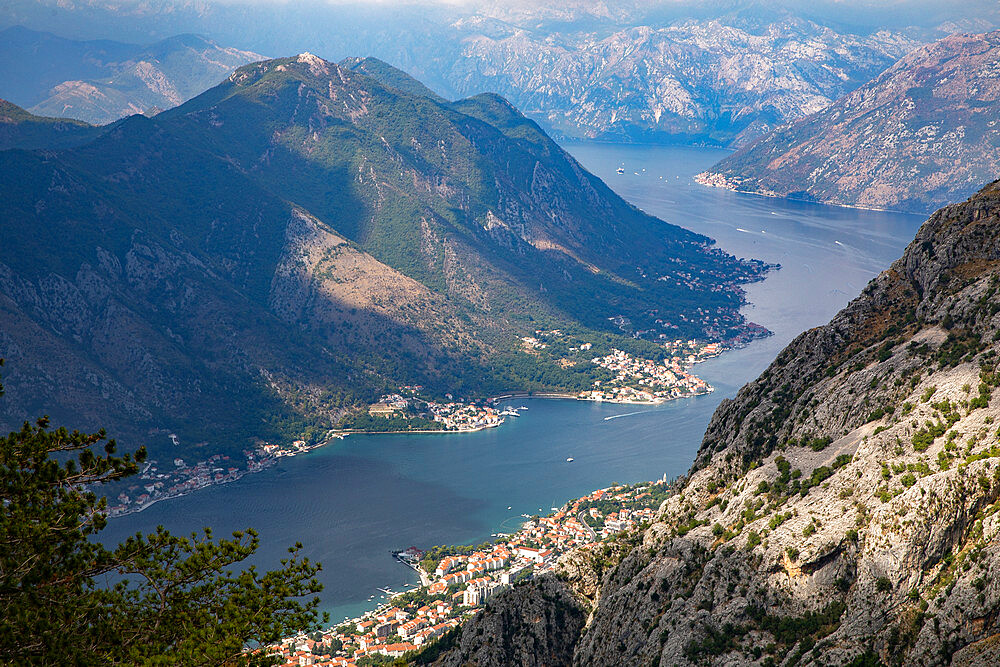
(586,527)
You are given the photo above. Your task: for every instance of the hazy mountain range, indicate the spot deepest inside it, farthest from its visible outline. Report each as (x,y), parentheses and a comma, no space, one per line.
(709,81)
(100,81)
(719,73)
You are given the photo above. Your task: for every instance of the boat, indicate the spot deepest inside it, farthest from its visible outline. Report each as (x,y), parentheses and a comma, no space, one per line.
(523,407)
(621,170)
(569,460)
(508,506)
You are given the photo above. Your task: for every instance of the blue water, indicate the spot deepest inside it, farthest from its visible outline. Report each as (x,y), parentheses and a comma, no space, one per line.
(354,501)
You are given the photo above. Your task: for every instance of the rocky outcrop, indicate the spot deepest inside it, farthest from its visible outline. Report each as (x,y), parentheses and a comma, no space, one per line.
(920,135)
(535,624)
(845,506)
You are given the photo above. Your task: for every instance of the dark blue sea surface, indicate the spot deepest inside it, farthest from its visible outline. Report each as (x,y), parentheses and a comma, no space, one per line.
(352,502)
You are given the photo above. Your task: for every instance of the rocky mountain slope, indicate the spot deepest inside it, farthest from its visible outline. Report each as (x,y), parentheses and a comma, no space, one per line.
(921,134)
(843,507)
(101,81)
(302,238)
(723,73)
(718,81)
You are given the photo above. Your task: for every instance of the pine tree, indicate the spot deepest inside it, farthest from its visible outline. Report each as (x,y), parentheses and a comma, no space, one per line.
(155,599)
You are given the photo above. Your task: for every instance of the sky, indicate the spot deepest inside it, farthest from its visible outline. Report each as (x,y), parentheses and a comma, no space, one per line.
(279,26)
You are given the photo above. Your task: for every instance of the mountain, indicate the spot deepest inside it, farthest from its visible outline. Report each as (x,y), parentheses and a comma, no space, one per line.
(719,81)
(721,73)
(302,238)
(842,508)
(389,76)
(20,129)
(919,135)
(101,81)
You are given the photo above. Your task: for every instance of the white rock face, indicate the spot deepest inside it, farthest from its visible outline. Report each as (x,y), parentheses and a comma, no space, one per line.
(920,135)
(691,79)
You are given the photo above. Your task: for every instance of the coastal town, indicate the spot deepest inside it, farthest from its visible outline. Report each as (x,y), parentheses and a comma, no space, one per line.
(623,378)
(643,380)
(457,581)
(399,412)
(158,482)
(631,378)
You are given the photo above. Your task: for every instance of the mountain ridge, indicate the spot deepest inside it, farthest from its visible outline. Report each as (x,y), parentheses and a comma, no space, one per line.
(101,81)
(915,137)
(843,507)
(21,129)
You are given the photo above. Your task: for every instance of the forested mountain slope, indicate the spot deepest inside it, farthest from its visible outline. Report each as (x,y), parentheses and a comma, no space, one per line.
(301,238)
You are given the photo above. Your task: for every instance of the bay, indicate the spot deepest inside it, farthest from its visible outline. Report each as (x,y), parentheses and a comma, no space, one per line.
(352,502)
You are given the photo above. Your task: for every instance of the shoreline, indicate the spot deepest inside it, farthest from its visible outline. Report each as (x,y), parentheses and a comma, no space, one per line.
(334,434)
(238,476)
(725,183)
(410,432)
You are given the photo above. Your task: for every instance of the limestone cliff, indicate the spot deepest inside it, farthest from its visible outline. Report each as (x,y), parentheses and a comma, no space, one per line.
(843,506)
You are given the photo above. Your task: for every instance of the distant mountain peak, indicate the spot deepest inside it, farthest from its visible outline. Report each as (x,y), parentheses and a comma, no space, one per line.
(101,81)
(305,64)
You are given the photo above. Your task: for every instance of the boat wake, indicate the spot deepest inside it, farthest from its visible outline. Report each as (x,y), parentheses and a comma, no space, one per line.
(627,414)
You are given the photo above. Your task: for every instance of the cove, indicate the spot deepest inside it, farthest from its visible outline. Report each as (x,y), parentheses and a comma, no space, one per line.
(352,502)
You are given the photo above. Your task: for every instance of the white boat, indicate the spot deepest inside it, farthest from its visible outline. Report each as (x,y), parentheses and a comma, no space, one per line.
(523,407)
(569,460)
(621,170)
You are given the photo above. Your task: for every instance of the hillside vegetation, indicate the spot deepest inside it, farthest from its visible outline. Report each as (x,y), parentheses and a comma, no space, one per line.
(300,239)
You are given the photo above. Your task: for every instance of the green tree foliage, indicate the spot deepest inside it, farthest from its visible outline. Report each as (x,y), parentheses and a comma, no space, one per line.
(154,599)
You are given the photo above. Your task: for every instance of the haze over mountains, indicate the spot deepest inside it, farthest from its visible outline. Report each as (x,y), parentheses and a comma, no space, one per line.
(716,81)
(302,237)
(721,74)
(100,81)
(921,134)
